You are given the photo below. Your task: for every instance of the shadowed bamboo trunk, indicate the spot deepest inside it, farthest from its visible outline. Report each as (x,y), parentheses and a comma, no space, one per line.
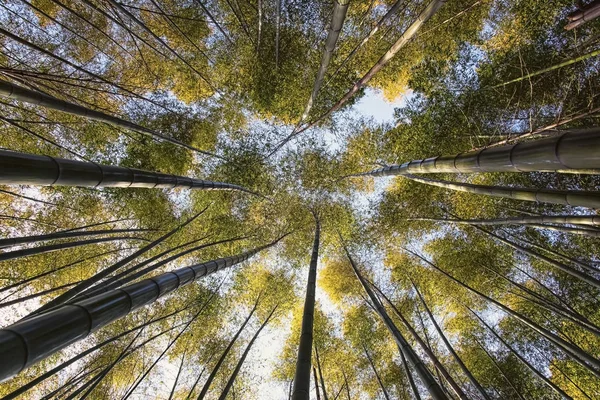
(320,373)
(301,390)
(10,255)
(408,372)
(427,379)
(229,384)
(177,377)
(20,93)
(31,340)
(316,379)
(521,358)
(570,152)
(575,352)
(563,267)
(30,169)
(426,348)
(63,235)
(458,360)
(191,392)
(214,371)
(582,198)
(381,385)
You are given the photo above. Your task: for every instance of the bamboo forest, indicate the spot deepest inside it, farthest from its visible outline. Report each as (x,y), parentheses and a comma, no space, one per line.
(300,199)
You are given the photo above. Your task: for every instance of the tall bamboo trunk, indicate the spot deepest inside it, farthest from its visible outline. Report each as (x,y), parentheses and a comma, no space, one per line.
(8,242)
(582,198)
(381,385)
(563,267)
(408,372)
(177,377)
(18,392)
(426,348)
(340,7)
(215,370)
(30,169)
(522,359)
(593,220)
(389,14)
(569,152)
(11,255)
(229,384)
(575,352)
(316,379)
(20,93)
(31,340)
(408,34)
(427,379)
(87,283)
(455,355)
(321,373)
(301,389)
(122,280)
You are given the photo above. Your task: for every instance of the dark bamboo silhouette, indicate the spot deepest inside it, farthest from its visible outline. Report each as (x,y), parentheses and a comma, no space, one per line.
(10,255)
(33,339)
(455,355)
(320,373)
(409,375)
(381,385)
(425,346)
(231,380)
(64,235)
(575,352)
(301,390)
(427,379)
(316,379)
(521,358)
(214,371)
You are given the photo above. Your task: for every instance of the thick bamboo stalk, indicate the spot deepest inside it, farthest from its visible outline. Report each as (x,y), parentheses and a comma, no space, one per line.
(427,379)
(408,372)
(580,198)
(229,384)
(27,342)
(214,371)
(31,169)
(20,93)
(301,390)
(581,16)
(16,393)
(570,152)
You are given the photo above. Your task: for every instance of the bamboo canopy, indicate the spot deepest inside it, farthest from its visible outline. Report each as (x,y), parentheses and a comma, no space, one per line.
(29,341)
